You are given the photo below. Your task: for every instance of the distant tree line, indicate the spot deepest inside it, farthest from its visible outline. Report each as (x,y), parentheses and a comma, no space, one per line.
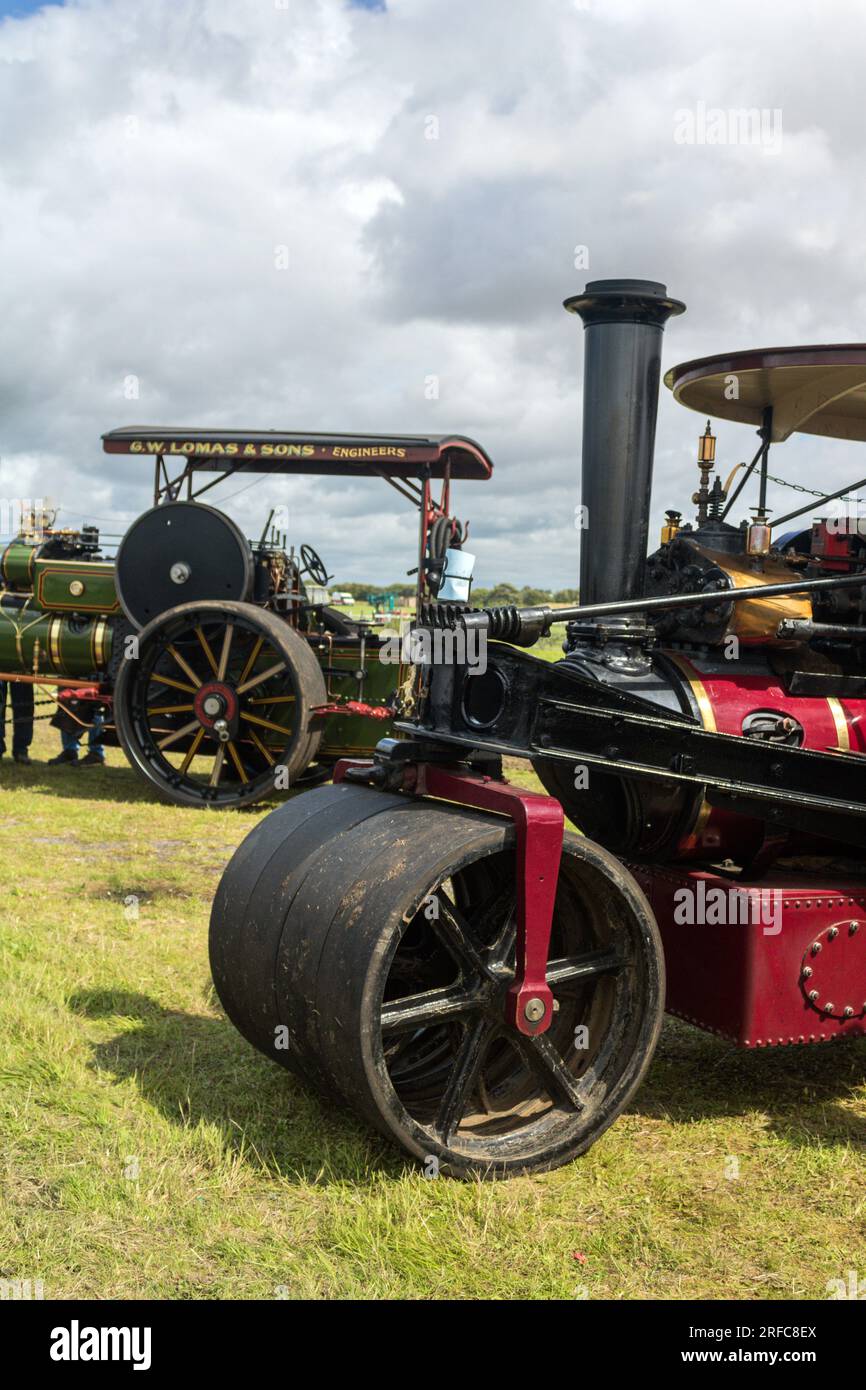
(363,591)
(500,595)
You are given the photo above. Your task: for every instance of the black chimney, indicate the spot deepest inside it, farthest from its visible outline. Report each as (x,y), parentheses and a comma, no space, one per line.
(624,322)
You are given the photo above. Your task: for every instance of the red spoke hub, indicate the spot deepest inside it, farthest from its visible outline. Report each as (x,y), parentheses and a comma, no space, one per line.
(215,701)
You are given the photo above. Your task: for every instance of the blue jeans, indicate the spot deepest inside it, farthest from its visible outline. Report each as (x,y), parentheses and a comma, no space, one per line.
(72,742)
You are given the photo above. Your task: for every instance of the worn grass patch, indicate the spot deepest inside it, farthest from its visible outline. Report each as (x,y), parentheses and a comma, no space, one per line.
(147,1151)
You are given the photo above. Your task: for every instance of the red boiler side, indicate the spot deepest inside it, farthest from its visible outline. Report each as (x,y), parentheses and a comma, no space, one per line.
(754,704)
(767,963)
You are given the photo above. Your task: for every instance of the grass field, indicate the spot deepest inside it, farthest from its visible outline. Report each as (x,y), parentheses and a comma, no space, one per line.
(148,1151)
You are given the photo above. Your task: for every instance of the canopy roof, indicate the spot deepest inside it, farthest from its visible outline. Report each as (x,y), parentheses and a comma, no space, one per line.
(813,390)
(271,451)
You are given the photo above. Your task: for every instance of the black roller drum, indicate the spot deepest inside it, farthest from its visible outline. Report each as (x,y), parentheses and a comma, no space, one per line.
(181,552)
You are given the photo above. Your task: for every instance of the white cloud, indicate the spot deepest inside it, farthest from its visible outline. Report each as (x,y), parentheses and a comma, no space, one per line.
(154,156)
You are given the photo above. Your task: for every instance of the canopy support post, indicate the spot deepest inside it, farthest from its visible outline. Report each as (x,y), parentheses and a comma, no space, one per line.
(766,435)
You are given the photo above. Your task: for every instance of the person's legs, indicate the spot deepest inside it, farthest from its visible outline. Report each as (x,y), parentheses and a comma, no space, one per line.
(22,720)
(95,746)
(2,718)
(68,723)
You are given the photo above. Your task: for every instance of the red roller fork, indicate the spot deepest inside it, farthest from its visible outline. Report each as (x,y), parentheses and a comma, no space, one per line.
(539,822)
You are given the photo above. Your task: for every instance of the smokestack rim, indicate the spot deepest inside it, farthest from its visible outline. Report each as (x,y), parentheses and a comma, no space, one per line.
(624,301)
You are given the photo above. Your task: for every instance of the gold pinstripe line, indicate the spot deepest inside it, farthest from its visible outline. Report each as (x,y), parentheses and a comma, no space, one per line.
(843,736)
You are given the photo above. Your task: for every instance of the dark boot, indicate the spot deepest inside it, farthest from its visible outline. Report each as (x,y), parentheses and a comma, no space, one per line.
(64,757)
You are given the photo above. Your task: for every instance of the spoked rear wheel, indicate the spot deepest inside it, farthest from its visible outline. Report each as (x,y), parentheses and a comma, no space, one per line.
(376,936)
(215,710)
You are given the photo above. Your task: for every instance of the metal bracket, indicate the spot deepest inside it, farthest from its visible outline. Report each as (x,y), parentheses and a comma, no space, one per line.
(539,823)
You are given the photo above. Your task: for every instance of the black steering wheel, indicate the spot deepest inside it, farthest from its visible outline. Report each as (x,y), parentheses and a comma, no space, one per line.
(311,564)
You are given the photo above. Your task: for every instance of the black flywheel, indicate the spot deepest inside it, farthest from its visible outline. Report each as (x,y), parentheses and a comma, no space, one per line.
(181,552)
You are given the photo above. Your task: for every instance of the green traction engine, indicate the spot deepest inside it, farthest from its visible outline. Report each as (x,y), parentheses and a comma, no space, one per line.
(58,603)
(224,674)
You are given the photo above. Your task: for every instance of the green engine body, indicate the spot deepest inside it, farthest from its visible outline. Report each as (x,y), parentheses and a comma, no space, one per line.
(58,604)
(354,672)
(58,583)
(33,642)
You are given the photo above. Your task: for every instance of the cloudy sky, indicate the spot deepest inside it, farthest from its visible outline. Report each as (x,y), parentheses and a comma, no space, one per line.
(293,213)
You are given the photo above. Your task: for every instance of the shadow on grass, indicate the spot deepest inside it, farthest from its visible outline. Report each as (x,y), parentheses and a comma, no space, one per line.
(119,784)
(803,1090)
(195,1069)
(78,783)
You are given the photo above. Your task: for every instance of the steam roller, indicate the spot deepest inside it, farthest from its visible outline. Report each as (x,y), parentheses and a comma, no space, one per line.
(423,942)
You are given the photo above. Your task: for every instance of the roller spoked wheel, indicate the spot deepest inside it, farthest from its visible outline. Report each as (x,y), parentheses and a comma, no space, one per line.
(215,709)
(367,942)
